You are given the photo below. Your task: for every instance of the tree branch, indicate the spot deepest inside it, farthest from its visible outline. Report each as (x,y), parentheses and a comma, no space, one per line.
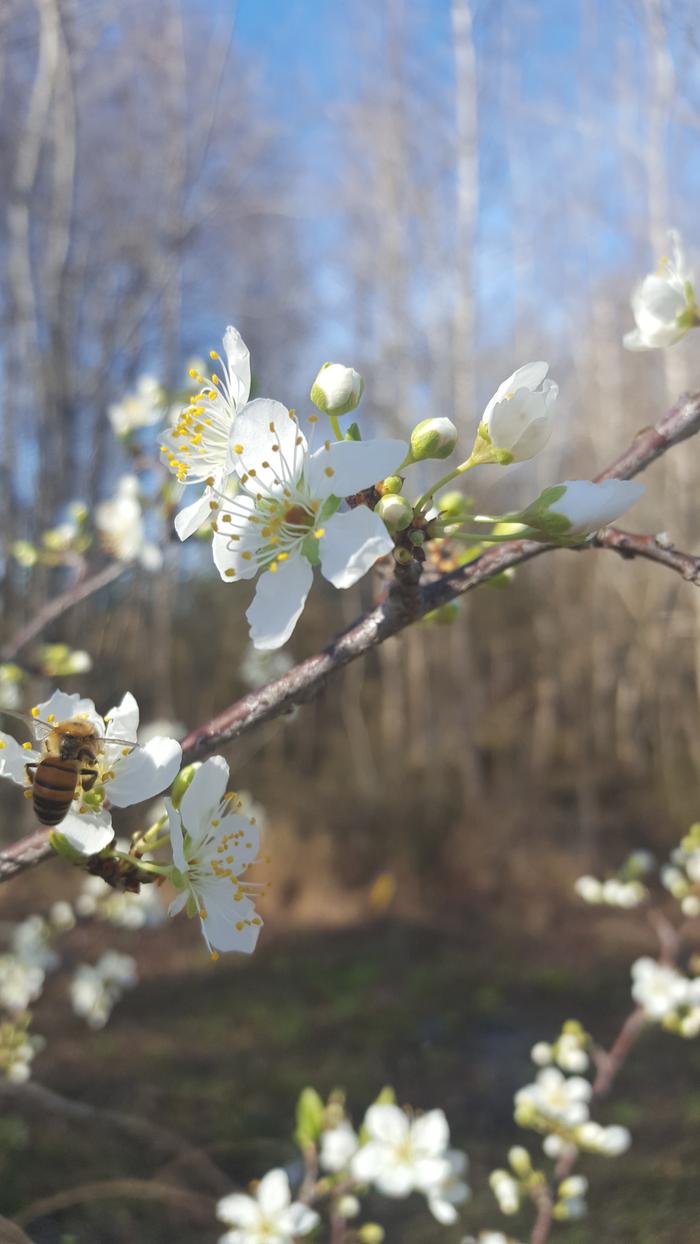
(59,605)
(401,608)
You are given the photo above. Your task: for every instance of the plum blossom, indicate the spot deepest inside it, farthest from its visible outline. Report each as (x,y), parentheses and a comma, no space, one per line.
(122,908)
(197,448)
(453,1190)
(94,991)
(140,409)
(553,1097)
(119,522)
(579,507)
(285,519)
(517,422)
(338,1146)
(664,304)
(126,774)
(21,982)
(270,1217)
(403,1155)
(657,988)
(213,844)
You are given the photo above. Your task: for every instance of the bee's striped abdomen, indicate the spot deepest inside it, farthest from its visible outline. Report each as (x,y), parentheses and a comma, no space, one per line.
(53,789)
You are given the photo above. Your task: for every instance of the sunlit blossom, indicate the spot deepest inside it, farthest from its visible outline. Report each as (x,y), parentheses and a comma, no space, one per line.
(126,775)
(213,844)
(403,1155)
(285,518)
(517,422)
(120,524)
(664,304)
(140,409)
(95,990)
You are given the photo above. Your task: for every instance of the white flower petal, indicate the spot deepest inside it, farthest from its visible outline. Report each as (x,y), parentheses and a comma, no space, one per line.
(235,545)
(61,707)
(238,359)
(265,432)
(442,1210)
(387,1123)
(274,1194)
(394,1181)
(279,600)
(145,772)
(13,758)
(180,899)
(192,517)
(123,721)
(352,543)
(353,465)
(89,833)
(431,1133)
(204,794)
(298,1219)
(224,915)
(239,1210)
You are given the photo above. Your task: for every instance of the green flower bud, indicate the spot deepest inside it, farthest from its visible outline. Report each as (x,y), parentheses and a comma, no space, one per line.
(519,1159)
(370,1233)
(182,781)
(337,389)
(392,484)
(310,1115)
(454,504)
(433,438)
(395,511)
(25,553)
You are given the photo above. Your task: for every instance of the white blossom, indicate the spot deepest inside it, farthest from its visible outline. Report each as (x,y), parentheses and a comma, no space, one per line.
(401,1155)
(213,844)
(663,304)
(122,908)
(285,518)
(94,991)
(21,982)
(338,1145)
(126,775)
(120,524)
(554,1096)
(610,1141)
(32,941)
(140,409)
(270,1217)
(659,989)
(258,667)
(579,507)
(506,1191)
(444,1197)
(517,422)
(197,449)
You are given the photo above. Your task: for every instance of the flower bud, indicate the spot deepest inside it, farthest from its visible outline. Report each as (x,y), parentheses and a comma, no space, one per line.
(578,507)
(348,1207)
(517,422)
(337,389)
(433,438)
(181,783)
(370,1233)
(392,484)
(519,1159)
(395,511)
(454,504)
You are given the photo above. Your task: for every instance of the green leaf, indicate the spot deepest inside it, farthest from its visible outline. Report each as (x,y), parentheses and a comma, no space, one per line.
(310,1114)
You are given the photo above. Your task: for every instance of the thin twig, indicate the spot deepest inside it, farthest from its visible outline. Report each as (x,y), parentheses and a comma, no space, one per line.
(59,605)
(123,1189)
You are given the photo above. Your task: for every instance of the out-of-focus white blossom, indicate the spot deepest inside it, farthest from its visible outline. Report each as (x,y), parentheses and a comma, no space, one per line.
(402,1155)
(658,988)
(260,666)
(664,304)
(444,1197)
(94,991)
(270,1217)
(21,982)
(140,409)
(11,679)
(553,1097)
(62,916)
(121,908)
(506,1191)
(18,1049)
(338,1146)
(610,1141)
(612,892)
(32,942)
(120,524)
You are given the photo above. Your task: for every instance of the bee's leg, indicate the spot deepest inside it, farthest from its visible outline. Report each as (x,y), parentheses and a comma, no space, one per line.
(88,777)
(30,769)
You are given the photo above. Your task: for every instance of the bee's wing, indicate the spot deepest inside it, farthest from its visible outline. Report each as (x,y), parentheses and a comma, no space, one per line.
(39,729)
(110,738)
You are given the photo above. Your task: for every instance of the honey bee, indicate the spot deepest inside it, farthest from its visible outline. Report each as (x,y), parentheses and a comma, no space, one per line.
(70,750)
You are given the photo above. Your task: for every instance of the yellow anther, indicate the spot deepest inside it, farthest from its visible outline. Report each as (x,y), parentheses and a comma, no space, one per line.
(247,556)
(252,472)
(272,567)
(216,823)
(215,378)
(82,809)
(275,449)
(27,793)
(35,712)
(209,481)
(326,445)
(213,505)
(282,557)
(51,717)
(229,573)
(266,465)
(213,354)
(193,373)
(212,394)
(328,471)
(28,747)
(226,518)
(320,533)
(214,955)
(125,751)
(313,418)
(2,745)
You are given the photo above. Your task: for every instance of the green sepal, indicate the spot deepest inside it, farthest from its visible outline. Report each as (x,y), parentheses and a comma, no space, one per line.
(328,509)
(353,433)
(539,515)
(62,847)
(310,1114)
(182,781)
(310,550)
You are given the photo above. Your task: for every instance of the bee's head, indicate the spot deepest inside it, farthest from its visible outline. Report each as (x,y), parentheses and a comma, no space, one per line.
(73,736)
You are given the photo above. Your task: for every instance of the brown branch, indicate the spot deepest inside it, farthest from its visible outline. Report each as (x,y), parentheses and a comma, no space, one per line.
(127,1189)
(36,1097)
(402,607)
(59,605)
